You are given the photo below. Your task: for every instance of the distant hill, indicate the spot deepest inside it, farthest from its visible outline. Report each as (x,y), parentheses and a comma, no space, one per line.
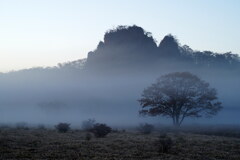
(133,48)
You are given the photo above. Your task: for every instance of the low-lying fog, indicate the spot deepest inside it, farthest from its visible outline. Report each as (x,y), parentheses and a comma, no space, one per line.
(112,100)
(112,80)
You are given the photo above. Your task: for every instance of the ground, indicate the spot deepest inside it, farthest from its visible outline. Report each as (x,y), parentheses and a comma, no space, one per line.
(129,145)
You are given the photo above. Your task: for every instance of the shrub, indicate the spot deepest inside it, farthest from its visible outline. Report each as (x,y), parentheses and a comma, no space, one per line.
(88,136)
(145,128)
(88,124)
(164,143)
(63,127)
(100,130)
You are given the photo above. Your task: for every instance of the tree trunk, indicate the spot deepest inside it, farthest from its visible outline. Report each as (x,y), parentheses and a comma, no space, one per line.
(176,121)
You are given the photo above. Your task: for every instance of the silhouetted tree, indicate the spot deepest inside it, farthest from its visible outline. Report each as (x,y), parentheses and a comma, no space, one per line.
(169,47)
(179,95)
(63,127)
(145,128)
(100,130)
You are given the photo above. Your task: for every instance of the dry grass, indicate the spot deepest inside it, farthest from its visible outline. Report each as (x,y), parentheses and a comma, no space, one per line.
(49,144)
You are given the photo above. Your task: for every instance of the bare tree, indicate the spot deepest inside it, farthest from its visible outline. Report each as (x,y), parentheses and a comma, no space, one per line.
(179,95)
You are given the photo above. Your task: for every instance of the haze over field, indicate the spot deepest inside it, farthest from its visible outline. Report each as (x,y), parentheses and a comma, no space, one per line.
(107,84)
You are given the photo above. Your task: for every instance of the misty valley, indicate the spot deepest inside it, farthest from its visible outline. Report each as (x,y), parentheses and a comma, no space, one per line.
(131,98)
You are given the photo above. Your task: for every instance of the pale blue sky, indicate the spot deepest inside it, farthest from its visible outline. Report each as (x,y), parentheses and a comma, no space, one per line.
(45,32)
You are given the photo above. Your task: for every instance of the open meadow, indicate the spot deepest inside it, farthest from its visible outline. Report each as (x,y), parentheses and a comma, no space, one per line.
(42,143)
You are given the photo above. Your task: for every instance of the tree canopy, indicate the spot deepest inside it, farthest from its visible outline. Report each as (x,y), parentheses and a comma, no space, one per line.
(179,95)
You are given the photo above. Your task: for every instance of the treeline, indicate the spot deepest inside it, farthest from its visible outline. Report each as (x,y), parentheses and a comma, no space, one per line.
(128,47)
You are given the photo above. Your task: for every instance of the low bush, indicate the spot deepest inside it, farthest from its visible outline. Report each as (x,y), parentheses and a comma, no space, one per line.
(63,127)
(88,136)
(164,144)
(100,130)
(145,128)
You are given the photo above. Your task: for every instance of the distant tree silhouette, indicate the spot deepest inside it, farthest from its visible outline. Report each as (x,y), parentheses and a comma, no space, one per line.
(131,46)
(63,127)
(100,130)
(128,47)
(78,64)
(179,95)
(123,46)
(169,47)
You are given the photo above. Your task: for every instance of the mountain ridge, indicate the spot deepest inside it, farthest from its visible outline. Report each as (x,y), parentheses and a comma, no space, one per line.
(132,46)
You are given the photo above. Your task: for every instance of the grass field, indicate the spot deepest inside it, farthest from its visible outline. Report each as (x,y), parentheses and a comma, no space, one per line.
(30,143)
